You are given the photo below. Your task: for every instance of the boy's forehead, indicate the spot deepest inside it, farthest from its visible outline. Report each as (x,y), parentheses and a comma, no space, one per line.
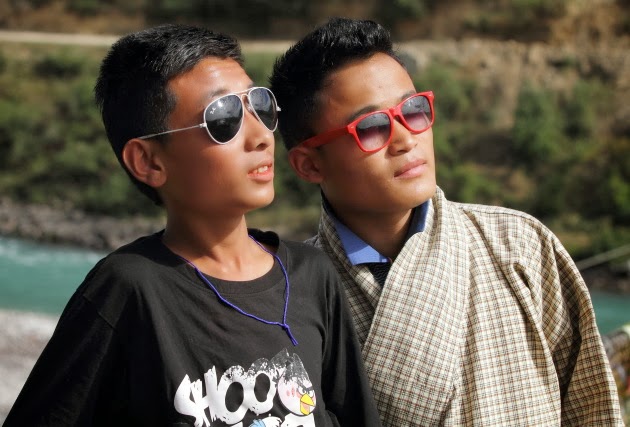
(379,69)
(377,80)
(212,77)
(358,87)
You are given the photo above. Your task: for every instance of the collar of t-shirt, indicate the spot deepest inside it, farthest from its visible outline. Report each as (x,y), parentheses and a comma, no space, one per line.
(358,251)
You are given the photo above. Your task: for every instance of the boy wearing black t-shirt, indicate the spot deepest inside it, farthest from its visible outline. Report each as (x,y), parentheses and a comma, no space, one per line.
(206,323)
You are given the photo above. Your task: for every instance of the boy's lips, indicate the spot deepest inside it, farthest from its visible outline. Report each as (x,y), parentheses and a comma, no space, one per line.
(412,169)
(263,170)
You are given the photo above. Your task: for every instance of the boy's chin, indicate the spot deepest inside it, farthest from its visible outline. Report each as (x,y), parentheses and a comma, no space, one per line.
(262,203)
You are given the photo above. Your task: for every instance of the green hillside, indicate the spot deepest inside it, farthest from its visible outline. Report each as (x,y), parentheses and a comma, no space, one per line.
(531,101)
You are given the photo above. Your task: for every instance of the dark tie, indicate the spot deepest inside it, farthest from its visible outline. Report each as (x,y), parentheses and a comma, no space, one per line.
(379,270)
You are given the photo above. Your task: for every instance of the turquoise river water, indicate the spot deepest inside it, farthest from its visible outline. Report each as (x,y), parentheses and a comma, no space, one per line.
(40,278)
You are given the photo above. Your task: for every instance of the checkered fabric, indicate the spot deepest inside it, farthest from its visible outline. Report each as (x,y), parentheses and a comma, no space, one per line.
(483,320)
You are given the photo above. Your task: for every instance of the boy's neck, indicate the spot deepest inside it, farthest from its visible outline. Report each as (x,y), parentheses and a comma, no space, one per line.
(384,232)
(224,251)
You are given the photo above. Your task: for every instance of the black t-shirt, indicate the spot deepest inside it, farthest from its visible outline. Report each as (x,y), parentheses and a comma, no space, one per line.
(145,341)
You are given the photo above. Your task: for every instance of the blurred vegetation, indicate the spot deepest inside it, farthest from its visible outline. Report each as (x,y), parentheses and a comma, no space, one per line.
(290,18)
(560,160)
(556,162)
(525,17)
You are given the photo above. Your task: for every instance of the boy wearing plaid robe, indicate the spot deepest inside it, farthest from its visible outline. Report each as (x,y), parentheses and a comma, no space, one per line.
(467,314)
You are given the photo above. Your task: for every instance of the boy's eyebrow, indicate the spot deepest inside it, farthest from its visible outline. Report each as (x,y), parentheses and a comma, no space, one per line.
(370,108)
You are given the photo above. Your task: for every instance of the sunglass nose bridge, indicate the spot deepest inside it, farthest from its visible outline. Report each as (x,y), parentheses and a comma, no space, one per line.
(246,102)
(249,107)
(398,117)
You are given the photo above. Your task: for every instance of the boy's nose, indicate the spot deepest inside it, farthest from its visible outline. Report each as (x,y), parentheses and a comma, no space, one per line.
(403,139)
(257,136)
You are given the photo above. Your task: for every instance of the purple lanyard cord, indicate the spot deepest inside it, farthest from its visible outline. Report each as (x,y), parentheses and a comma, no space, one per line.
(284,325)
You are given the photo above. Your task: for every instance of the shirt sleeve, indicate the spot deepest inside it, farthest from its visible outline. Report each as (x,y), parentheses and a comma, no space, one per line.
(76,380)
(587,387)
(345,385)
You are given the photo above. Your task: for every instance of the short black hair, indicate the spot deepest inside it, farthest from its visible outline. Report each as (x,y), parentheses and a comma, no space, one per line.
(300,73)
(132,86)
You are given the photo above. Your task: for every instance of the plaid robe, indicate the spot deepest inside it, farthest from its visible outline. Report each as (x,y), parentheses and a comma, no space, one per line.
(483,320)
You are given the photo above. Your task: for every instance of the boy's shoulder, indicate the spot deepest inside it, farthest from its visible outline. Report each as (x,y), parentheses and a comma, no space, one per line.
(494,211)
(313,241)
(130,267)
(143,250)
(305,249)
(130,277)
(271,238)
(297,252)
(515,230)
(500,218)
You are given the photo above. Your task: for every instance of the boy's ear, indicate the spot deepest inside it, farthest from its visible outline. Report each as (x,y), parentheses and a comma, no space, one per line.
(142,161)
(305,163)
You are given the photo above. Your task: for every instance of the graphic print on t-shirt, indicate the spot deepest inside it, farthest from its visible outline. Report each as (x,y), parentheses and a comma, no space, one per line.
(287,379)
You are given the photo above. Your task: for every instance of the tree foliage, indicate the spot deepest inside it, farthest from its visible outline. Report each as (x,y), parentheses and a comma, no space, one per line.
(559,161)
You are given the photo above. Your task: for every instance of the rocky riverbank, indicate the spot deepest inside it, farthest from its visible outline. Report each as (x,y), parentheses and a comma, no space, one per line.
(69,226)
(23,338)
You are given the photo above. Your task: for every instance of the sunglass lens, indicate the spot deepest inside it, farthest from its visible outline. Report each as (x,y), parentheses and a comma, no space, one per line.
(417,112)
(264,104)
(373,131)
(223,118)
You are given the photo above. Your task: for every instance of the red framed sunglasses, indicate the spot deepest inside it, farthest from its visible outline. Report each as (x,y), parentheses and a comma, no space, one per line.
(373,131)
